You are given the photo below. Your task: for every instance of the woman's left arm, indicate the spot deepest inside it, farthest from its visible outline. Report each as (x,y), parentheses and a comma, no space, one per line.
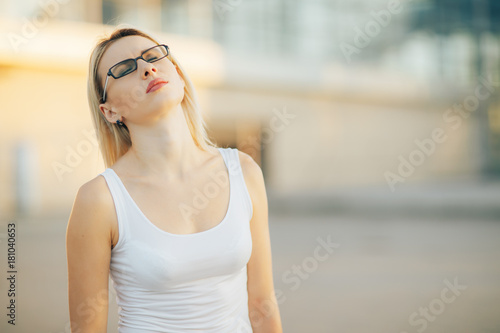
(262,303)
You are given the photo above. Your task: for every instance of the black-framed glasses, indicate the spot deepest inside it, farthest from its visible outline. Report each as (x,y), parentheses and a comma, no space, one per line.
(127,66)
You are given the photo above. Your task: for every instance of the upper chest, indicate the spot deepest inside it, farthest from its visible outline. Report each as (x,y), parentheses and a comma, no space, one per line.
(196,204)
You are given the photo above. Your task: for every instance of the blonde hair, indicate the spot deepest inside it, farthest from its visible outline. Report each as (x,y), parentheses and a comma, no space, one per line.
(114,140)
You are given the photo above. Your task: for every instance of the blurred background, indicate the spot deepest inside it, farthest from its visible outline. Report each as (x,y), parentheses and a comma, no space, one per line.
(376,124)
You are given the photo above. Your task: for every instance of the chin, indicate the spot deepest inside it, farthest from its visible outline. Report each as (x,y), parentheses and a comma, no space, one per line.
(165,102)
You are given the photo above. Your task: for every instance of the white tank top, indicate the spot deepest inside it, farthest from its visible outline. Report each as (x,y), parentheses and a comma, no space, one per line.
(197,282)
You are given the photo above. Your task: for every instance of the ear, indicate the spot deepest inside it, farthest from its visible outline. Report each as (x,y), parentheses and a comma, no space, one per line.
(108,113)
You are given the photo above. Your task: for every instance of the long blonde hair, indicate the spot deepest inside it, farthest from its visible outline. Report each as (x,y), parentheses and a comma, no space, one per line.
(114,140)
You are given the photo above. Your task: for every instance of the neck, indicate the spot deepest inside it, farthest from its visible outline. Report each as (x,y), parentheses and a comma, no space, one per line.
(166,149)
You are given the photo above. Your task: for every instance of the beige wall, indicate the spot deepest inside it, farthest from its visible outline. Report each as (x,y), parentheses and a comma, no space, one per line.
(329,142)
(337,144)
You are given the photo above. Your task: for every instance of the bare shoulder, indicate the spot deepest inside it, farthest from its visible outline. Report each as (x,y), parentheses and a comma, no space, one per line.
(93,187)
(251,170)
(93,209)
(96,193)
(254,178)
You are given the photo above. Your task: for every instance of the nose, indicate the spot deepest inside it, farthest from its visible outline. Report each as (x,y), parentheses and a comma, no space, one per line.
(147,68)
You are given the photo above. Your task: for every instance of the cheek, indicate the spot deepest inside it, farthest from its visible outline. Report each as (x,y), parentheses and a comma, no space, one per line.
(128,95)
(179,87)
(179,81)
(169,72)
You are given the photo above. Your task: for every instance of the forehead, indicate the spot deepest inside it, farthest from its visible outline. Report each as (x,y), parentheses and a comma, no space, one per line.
(121,49)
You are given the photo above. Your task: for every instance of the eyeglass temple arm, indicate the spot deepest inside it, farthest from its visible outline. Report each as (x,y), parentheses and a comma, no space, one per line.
(105,85)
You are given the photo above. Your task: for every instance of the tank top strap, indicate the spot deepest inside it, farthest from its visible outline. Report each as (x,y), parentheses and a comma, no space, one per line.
(119,200)
(236,173)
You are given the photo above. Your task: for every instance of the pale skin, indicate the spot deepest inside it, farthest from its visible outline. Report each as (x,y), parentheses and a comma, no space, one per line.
(163,157)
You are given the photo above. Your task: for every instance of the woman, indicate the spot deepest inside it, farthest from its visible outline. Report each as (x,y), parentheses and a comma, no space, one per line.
(180,224)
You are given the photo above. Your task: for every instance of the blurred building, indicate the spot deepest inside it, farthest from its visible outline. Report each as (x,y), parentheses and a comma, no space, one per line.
(322,94)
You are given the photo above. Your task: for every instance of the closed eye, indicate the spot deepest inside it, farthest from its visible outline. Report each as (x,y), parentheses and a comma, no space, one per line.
(123,69)
(151,59)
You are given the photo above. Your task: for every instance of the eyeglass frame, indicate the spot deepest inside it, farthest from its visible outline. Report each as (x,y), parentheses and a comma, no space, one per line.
(135,62)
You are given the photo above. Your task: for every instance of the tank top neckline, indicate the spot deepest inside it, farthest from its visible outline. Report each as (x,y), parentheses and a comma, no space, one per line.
(214,228)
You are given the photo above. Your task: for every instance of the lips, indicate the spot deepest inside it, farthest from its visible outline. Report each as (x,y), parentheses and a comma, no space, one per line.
(155,84)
